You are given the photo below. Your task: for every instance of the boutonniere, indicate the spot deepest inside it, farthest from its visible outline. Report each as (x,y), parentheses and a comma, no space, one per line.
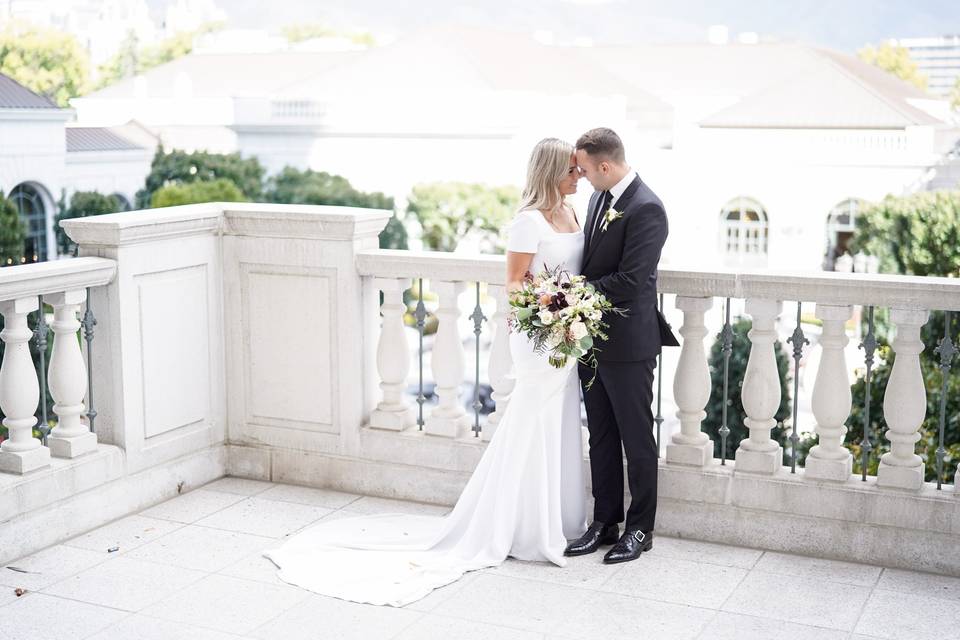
(610,216)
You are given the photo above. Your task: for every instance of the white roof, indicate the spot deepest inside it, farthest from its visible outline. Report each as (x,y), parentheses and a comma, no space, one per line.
(760,85)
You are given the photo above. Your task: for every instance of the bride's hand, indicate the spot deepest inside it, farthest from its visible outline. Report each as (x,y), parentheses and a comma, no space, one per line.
(518,264)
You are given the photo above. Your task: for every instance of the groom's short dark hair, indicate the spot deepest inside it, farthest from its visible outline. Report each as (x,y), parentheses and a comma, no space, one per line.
(604,143)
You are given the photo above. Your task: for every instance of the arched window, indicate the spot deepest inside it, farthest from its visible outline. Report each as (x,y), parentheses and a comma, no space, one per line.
(29,203)
(744,232)
(841,224)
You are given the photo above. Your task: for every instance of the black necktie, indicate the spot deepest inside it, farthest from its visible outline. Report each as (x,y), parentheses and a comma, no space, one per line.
(601,212)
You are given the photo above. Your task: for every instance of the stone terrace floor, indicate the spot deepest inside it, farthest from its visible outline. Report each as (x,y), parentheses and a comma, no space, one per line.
(190,569)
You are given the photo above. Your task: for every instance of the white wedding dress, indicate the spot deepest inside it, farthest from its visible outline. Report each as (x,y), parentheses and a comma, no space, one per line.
(524,500)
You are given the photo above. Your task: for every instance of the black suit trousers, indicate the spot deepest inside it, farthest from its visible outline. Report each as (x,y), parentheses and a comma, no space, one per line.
(620,420)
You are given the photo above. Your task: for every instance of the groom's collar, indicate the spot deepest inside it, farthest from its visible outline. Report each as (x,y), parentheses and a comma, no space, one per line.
(617,190)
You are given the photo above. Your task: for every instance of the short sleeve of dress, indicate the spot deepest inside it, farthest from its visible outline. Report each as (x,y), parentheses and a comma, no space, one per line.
(524,234)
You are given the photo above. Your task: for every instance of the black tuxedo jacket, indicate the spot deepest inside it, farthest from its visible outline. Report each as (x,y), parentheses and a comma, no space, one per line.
(621,263)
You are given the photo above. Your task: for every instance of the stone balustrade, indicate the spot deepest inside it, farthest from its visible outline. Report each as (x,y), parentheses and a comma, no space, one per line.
(275,342)
(758,477)
(833,296)
(24,290)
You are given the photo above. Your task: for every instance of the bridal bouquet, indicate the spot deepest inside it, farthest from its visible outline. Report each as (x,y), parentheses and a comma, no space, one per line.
(561,314)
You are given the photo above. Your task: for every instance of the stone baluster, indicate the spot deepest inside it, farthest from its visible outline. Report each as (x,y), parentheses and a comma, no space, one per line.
(448,418)
(500,363)
(691,387)
(394,412)
(19,391)
(68,378)
(904,404)
(829,459)
(761,391)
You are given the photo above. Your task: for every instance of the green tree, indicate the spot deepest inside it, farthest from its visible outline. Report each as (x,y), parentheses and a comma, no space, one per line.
(895,60)
(394,235)
(448,211)
(133,58)
(294,186)
(179,167)
(219,190)
(46,61)
(83,204)
(916,234)
(12,233)
(739,356)
(955,96)
(919,235)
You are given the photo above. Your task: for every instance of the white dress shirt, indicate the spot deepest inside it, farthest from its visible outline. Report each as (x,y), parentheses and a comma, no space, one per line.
(617,190)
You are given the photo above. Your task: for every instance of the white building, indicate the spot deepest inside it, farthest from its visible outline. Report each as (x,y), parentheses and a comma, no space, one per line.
(43,158)
(938,58)
(776,145)
(760,152)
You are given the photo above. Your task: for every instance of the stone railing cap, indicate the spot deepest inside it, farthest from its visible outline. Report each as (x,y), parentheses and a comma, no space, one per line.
(436,265)
(56,276)
(828,288)
(228,218)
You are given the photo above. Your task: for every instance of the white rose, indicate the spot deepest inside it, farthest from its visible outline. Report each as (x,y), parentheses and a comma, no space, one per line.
(546,317)
(555,338)
(578,329)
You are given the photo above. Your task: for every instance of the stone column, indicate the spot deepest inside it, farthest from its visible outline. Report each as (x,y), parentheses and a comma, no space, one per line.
(68,379)
(501,362)
(829,459)
(394,412)
(761,391)
(691,387)
(447,362)
(19,391)
(904,404)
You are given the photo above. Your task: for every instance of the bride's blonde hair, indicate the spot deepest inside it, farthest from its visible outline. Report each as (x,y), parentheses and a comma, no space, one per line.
(549,163)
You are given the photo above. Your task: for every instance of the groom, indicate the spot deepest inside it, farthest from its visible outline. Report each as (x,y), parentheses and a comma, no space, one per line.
(625,231)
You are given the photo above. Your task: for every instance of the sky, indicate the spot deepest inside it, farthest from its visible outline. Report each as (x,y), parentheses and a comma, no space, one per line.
(840,24)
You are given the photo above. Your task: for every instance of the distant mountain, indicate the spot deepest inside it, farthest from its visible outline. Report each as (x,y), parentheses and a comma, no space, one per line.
(840,24)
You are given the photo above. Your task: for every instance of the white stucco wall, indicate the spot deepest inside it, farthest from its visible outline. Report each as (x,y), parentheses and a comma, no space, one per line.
(33,151)
(108,172)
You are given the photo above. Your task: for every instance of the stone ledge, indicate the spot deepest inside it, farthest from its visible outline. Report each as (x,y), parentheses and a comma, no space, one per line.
(42,278)
(816,537)
(419,449)
(74,496)
(437,265)
(227,218)
(854,521)
(21,494)
(352,475)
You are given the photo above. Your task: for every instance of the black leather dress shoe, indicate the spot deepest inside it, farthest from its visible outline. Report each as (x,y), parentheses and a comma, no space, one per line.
(630,546)
(597,534)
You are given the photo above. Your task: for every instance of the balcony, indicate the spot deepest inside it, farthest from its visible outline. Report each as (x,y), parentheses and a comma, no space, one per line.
(191,567)
(250,341)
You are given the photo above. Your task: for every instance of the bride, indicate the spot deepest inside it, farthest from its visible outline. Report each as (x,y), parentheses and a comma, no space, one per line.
(527,494)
